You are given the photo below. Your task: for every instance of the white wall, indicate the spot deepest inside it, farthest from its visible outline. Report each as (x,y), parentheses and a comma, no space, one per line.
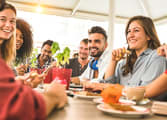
(66,31)
(70,31)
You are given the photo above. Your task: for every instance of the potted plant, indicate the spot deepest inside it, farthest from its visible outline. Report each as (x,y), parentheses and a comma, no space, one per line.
(62,58)
(60,73)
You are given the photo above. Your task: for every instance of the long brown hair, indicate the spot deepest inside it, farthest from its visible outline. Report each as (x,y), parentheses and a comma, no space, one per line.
(8,47)
(153,43)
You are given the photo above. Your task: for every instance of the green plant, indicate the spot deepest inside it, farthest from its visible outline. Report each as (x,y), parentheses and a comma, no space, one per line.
(55,47)
(33,59)
(62,58)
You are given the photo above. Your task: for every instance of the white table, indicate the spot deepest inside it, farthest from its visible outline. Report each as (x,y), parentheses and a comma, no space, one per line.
(80,109)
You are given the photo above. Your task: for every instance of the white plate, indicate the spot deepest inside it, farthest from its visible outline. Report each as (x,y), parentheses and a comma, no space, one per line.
(123,102)
(142,102)
(140,111)
(85,96)
(75,89)
(68,91)
(98,100)
(75,86)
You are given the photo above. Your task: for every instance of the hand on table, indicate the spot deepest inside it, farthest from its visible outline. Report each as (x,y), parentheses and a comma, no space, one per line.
(75,80)
(95,86)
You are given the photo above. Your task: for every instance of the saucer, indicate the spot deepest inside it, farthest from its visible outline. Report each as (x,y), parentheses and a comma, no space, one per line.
(141,102)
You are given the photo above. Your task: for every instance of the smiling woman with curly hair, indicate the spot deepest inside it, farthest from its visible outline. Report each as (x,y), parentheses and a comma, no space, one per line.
(24,45)
(24,40)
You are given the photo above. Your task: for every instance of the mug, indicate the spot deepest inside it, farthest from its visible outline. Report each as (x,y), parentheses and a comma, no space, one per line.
(135,93)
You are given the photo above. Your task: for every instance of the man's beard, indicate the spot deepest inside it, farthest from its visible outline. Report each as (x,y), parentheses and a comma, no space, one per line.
(98,54)
(83,58)
(46,58)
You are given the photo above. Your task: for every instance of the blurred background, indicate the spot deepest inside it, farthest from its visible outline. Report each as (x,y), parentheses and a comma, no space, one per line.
(68,21)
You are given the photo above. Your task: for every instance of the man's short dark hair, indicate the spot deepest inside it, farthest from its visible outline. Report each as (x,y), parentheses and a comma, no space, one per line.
(85,41)
(98,29)
(47,42)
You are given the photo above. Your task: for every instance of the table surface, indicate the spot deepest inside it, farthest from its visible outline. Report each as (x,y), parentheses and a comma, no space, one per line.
(81,109)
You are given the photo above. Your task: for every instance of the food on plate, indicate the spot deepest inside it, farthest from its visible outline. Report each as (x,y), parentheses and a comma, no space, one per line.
(119,107)
(92,90)
(112,94)
(87,93)
(93,94)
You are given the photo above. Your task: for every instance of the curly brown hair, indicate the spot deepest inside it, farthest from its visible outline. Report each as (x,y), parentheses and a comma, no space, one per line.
(26,49)
(153,43)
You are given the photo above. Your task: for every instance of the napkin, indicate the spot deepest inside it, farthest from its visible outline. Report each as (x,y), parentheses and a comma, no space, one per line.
(159,107)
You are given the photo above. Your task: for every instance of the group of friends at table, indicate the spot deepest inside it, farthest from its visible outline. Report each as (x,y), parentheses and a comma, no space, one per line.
(143,63)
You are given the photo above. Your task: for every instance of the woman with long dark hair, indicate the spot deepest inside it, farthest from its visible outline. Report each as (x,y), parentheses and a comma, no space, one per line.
(142,63)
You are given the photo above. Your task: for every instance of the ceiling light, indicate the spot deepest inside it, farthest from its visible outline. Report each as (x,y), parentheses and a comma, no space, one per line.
(39,9)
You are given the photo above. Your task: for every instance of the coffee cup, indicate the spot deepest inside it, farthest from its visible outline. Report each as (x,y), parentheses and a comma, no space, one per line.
(135,93)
